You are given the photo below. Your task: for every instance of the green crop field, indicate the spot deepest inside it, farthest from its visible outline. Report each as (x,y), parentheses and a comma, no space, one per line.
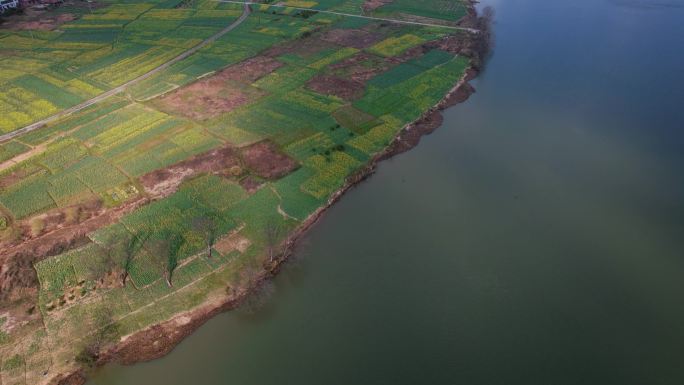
(183,188)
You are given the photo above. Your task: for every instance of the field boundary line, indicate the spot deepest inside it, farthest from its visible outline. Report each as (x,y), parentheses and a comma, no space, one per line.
(105,95)
(472,30)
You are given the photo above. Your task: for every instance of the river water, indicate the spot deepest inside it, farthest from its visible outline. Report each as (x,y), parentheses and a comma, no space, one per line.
(536,238)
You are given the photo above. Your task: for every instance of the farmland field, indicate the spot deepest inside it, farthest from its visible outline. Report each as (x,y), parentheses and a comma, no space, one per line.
(189,186)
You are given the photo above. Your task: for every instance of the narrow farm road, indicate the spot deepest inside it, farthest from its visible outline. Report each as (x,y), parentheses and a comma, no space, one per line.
(471,30)
(114,91)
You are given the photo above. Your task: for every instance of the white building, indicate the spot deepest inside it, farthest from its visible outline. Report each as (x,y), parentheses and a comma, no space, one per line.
(7,4)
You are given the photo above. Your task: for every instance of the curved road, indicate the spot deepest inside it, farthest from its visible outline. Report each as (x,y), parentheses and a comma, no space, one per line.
(122,87)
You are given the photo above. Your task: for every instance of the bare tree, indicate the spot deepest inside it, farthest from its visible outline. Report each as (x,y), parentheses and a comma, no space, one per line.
(159,249)
(118,252)
(130,248)
(175,243)
(101,263)
(165,251)
(273,232)
(207,225)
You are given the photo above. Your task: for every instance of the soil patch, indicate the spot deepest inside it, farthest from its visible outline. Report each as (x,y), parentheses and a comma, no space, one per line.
(220,93)
(39,226)
(371,5)
(249,70)
(251,184)
(412,53)
(451,44)
(355,38)
(361,67)
(38,23)
(15,176)
(164,182)
(355,119)
(75,378)
(267,161)
(303,47)
(20,158)
(346,89)
(204,101)
(233,242)
(58,218)
(42,24)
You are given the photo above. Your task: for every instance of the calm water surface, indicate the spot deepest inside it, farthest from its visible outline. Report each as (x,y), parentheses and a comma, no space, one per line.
(536,238)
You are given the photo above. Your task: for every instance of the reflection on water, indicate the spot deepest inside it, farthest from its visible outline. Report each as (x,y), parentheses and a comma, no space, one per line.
(536,238)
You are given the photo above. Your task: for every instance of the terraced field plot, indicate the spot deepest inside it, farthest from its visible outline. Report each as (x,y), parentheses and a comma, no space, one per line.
(43,73)
(185,188)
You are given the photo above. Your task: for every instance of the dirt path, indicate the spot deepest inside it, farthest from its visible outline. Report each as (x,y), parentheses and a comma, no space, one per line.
(471,30)
(122,87)
(22,157)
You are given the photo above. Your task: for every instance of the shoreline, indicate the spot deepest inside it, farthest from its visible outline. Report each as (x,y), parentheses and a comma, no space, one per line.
(159,340)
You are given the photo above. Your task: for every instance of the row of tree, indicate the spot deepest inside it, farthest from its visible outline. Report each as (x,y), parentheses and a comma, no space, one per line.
(164,247)
(119,253)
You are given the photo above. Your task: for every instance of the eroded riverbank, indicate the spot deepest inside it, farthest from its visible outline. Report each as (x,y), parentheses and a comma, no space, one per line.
(159,340)
(533,239)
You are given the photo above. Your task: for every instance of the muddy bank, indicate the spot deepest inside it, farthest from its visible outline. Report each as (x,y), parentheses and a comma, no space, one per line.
(75,378)
(410,136)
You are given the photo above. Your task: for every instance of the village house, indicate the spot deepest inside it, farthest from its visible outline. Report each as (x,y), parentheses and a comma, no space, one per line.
(23,4)
(29,3)
(8,4)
